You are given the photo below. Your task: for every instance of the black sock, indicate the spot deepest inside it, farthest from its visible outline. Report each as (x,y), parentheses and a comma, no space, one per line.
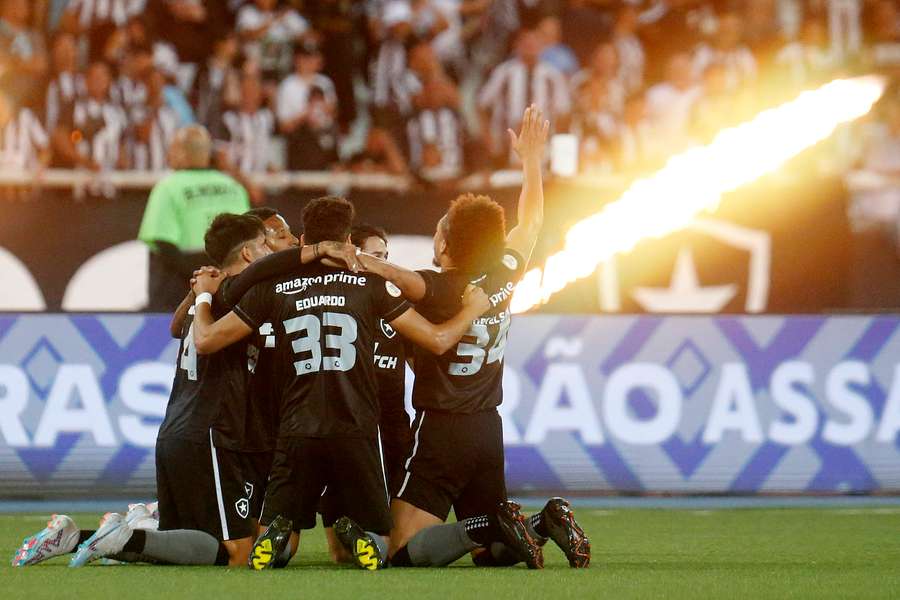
(482,530)
(84,534)
(401,558)
(136,542)
(222,557)
(537,523)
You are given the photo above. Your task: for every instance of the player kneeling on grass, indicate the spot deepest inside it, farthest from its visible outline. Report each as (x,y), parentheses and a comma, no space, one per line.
(457,457)
(198,452)
(326,320)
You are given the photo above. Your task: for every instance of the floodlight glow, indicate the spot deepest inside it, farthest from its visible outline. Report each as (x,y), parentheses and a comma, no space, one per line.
(694,182)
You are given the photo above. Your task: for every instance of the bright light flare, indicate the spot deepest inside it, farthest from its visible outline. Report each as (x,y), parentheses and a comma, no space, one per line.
(694,182)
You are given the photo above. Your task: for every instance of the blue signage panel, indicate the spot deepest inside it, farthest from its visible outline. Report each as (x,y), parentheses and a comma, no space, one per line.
(592,404)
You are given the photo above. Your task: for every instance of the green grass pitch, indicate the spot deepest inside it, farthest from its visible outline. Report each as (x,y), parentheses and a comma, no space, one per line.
(638,553)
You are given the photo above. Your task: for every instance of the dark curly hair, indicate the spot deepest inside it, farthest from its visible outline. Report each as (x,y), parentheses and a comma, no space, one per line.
(364,231)
(327,219)
(475,230)
(228,233)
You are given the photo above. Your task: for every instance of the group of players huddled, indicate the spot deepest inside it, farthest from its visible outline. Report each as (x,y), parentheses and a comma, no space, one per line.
(288,399)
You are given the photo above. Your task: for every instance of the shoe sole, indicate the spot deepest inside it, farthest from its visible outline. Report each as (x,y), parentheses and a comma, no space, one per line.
(262,556)
(364,550)
(367,554)
(575,544)
(535,561)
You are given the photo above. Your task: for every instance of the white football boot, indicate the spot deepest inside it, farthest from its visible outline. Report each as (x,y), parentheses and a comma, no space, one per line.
(140,516)
(109,539)
(59,537)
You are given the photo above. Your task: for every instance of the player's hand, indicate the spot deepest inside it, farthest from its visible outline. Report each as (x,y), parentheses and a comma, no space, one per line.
(476,297)
(206,282)
(532,138)
(211,270)
(346,254)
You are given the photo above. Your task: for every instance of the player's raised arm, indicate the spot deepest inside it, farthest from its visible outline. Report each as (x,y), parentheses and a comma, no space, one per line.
(438,339)
(410,283)
(211,335)
(529,146)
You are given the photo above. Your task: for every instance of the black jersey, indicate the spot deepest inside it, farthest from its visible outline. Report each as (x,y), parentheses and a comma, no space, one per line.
(261,428)
(469,378)
(326,321)
(210,390)
(390,366)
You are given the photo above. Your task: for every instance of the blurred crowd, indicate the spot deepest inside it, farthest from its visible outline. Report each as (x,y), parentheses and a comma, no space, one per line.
(425,88)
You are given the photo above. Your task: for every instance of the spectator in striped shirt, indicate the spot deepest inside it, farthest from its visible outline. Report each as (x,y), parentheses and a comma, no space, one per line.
(153,127)
(603,71)
(217,86)
(91,134)
(24,144)
(66,84)
(629,49)
(94,19)
(269,34)
(435,129)
(516,84)
(393,87)
(129,89)
(727,49)
(249,129)
(307,111)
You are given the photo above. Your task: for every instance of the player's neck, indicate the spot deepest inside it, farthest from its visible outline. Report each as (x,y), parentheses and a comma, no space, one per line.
(234,268)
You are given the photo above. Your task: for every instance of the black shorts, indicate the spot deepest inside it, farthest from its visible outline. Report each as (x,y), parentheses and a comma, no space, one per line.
(202,487)
(256,468)
(456,461)
(396,442)
(349,468)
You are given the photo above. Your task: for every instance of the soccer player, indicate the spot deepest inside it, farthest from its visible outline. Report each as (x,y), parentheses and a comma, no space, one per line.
(262,423)
(278,233)
(394,431)
(457,457)
(326,321)
(204,500)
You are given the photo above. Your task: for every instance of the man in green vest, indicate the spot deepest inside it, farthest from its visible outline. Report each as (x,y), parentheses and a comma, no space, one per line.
(179,212)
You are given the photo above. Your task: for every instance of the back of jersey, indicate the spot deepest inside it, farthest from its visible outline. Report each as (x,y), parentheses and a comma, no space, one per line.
(469,378)
(209,391)
(325,323)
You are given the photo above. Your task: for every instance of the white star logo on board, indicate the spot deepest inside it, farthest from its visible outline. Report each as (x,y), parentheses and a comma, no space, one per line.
(685,293)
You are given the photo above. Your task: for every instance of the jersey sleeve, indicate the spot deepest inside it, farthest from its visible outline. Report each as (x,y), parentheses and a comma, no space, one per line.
(260,270)
(389,300)
(435,287)
(255,307)
(160,223)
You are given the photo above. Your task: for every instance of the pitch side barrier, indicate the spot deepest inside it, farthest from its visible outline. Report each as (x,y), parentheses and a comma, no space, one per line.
(611,404)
